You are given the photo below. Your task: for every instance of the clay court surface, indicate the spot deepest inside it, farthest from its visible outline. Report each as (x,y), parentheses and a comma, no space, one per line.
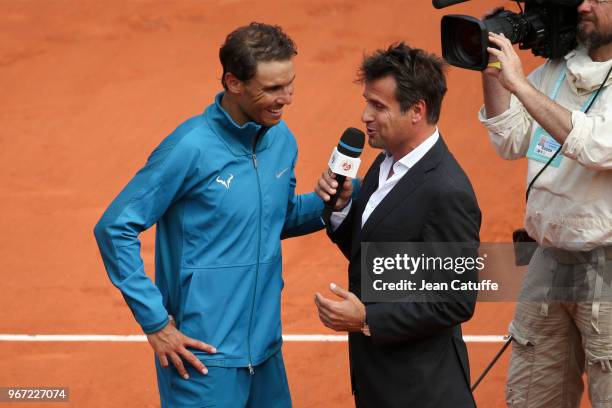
(89,88)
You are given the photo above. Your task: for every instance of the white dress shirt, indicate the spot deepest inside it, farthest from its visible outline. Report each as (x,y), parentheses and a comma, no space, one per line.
(385,183)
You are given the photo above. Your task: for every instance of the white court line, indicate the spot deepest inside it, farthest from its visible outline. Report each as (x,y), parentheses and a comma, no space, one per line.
(141,338)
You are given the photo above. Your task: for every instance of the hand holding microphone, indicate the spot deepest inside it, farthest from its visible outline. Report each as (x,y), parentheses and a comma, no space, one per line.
(335,186)
(327,186)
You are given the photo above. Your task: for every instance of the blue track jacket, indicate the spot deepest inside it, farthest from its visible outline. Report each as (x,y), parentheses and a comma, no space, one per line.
(221,209)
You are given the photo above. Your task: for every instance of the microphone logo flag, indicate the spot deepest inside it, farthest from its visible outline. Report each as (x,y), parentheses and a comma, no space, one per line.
(344,165)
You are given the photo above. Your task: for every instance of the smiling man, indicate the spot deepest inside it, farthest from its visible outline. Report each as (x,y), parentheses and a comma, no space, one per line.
(221,189)
(403,354)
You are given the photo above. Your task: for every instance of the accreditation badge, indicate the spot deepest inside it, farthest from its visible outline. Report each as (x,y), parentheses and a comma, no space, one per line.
(542,147)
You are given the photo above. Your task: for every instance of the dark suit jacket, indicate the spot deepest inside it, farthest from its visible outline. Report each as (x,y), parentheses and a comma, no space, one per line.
(415,356)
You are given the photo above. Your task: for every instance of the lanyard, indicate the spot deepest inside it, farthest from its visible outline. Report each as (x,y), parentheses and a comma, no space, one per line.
(585,108)
(555,91)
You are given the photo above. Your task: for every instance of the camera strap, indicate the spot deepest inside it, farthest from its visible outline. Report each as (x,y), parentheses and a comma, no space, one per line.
(588,105)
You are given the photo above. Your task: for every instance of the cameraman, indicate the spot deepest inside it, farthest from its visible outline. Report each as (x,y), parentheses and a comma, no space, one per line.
(569,210)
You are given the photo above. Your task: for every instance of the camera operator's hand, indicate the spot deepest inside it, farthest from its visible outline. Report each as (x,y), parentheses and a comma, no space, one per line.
(510,72)
(498,83)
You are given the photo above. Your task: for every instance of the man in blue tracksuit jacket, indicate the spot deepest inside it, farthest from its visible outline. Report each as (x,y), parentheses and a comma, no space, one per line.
(221,189)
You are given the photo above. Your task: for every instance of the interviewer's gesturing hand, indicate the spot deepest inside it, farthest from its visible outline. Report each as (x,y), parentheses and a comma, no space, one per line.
(346,315)
(170,343)
(510,73)
(327,185)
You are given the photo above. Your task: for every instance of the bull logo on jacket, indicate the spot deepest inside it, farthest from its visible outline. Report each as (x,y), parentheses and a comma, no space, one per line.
(225,183)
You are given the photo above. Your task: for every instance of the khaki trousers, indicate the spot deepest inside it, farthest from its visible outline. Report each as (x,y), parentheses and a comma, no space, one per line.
(562,328)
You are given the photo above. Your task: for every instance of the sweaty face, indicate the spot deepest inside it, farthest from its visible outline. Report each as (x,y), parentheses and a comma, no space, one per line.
(594,23)
(386,126)
(266,94)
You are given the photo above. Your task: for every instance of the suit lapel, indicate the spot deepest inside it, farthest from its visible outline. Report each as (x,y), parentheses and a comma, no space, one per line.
(369,186)
(404,187)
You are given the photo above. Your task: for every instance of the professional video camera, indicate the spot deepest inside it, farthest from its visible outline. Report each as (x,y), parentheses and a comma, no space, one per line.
(547,27)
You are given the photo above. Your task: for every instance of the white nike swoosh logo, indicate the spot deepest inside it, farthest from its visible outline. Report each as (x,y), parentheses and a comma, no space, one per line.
(278,175)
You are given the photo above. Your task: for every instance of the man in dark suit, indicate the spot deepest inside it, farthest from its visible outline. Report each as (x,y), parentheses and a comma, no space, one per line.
(403,354)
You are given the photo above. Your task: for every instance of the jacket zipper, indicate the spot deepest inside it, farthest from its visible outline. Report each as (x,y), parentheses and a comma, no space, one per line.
(254,157)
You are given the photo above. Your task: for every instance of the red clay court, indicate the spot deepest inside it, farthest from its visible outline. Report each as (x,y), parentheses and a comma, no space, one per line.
(90,88)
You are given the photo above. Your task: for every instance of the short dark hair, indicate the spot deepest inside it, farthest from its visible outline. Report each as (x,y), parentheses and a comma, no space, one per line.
(418,75)
(257,42)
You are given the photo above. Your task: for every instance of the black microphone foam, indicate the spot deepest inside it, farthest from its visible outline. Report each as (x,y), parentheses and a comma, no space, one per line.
(351,143)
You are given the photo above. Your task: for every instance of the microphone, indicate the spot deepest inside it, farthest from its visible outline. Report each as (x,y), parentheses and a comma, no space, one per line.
(344,162)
